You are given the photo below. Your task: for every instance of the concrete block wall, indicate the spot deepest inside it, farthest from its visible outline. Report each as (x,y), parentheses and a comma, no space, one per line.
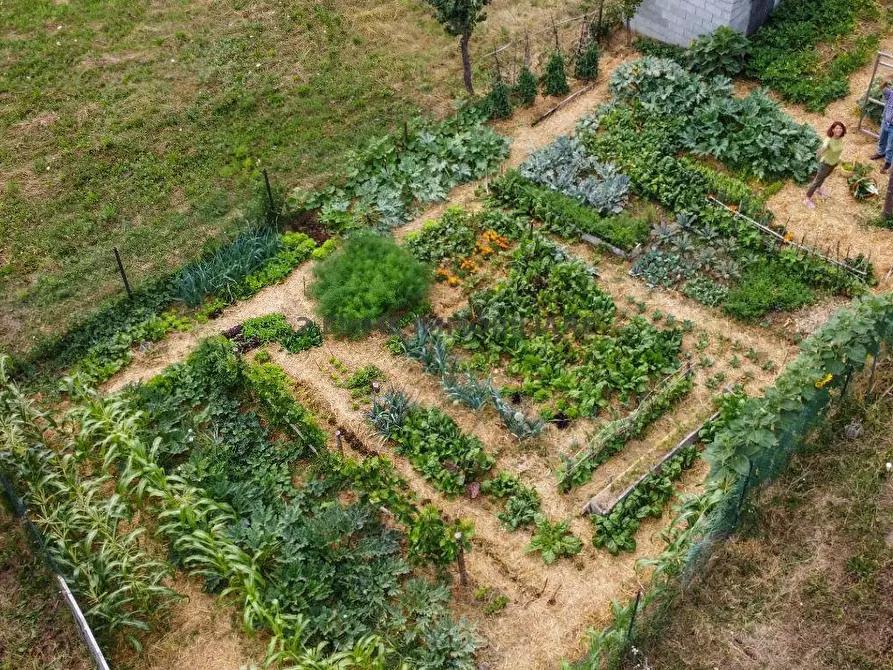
(681,21)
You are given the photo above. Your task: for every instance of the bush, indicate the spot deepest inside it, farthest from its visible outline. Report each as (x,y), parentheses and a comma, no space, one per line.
(721,52)
(555,78)
(526,88)
(499,103)
(371,279)
(766,287)
(587,63)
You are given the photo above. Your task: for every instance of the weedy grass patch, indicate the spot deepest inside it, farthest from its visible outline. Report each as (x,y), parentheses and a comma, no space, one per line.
(145,125)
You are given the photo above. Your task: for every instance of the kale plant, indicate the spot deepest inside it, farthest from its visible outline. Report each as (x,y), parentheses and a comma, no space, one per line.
(566,167)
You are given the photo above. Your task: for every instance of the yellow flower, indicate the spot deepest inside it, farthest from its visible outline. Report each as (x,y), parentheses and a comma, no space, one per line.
(824,380)
(788,237)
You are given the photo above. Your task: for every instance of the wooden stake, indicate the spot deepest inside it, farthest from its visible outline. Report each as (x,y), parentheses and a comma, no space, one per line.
(460,559)
(888,200)
(269,191)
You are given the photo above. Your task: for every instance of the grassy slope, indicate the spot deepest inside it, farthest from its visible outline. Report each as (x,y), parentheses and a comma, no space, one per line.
(810,584)
(36,629)
(143,125)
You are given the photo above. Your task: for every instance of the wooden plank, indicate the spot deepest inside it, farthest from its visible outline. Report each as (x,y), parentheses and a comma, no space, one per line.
(599,242)
(583,454)
(594,507)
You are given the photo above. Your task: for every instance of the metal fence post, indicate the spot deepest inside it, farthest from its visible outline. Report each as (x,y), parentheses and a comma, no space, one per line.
(632,619)
(20,511)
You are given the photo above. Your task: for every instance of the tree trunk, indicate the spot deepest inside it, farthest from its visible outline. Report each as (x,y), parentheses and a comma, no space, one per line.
(601,12)
(466,63)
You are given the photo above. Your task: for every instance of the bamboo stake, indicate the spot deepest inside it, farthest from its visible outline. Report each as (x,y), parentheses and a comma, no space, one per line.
(777,236)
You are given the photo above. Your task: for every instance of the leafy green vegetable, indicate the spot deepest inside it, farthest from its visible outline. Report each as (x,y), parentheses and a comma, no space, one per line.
(554,540)
(432,442)
(564,216)
(565,167)
(722,52)
(616,530)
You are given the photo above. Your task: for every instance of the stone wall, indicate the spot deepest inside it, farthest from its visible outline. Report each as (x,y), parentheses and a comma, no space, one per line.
(681,21)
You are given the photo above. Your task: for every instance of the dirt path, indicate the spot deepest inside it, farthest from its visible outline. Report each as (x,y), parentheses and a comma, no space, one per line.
(550,606)
(839,217)
(204,634)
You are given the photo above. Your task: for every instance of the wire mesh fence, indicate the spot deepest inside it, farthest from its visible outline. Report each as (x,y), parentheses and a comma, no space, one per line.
(35,537)
(750,451)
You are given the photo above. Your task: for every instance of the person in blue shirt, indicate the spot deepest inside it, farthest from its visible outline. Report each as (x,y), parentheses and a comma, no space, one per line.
(885,140)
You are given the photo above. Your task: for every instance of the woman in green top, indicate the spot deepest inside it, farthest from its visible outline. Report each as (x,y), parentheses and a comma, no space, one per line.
(829,157)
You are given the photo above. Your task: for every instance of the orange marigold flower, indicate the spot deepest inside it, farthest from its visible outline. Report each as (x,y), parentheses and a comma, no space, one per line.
(453,281)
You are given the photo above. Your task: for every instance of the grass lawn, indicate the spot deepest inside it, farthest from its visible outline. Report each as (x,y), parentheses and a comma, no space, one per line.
(144,125)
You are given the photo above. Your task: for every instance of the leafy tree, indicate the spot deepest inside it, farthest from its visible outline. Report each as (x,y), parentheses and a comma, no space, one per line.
(628,9)
(526,87)
(587,63)
(555,78)
(369,280)
(459,17)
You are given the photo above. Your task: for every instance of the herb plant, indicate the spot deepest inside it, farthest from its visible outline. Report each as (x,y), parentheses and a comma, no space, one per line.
(366,283)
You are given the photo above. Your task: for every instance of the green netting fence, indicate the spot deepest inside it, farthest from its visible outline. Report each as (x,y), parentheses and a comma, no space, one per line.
(747,452)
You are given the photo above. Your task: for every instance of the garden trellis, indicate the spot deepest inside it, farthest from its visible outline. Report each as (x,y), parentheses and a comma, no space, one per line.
(882,60)
(569,36)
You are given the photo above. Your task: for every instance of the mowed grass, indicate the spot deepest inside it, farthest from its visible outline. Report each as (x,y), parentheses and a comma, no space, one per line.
(144,125)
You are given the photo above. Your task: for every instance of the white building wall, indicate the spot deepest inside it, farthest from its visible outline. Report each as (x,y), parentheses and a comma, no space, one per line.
(681,21)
